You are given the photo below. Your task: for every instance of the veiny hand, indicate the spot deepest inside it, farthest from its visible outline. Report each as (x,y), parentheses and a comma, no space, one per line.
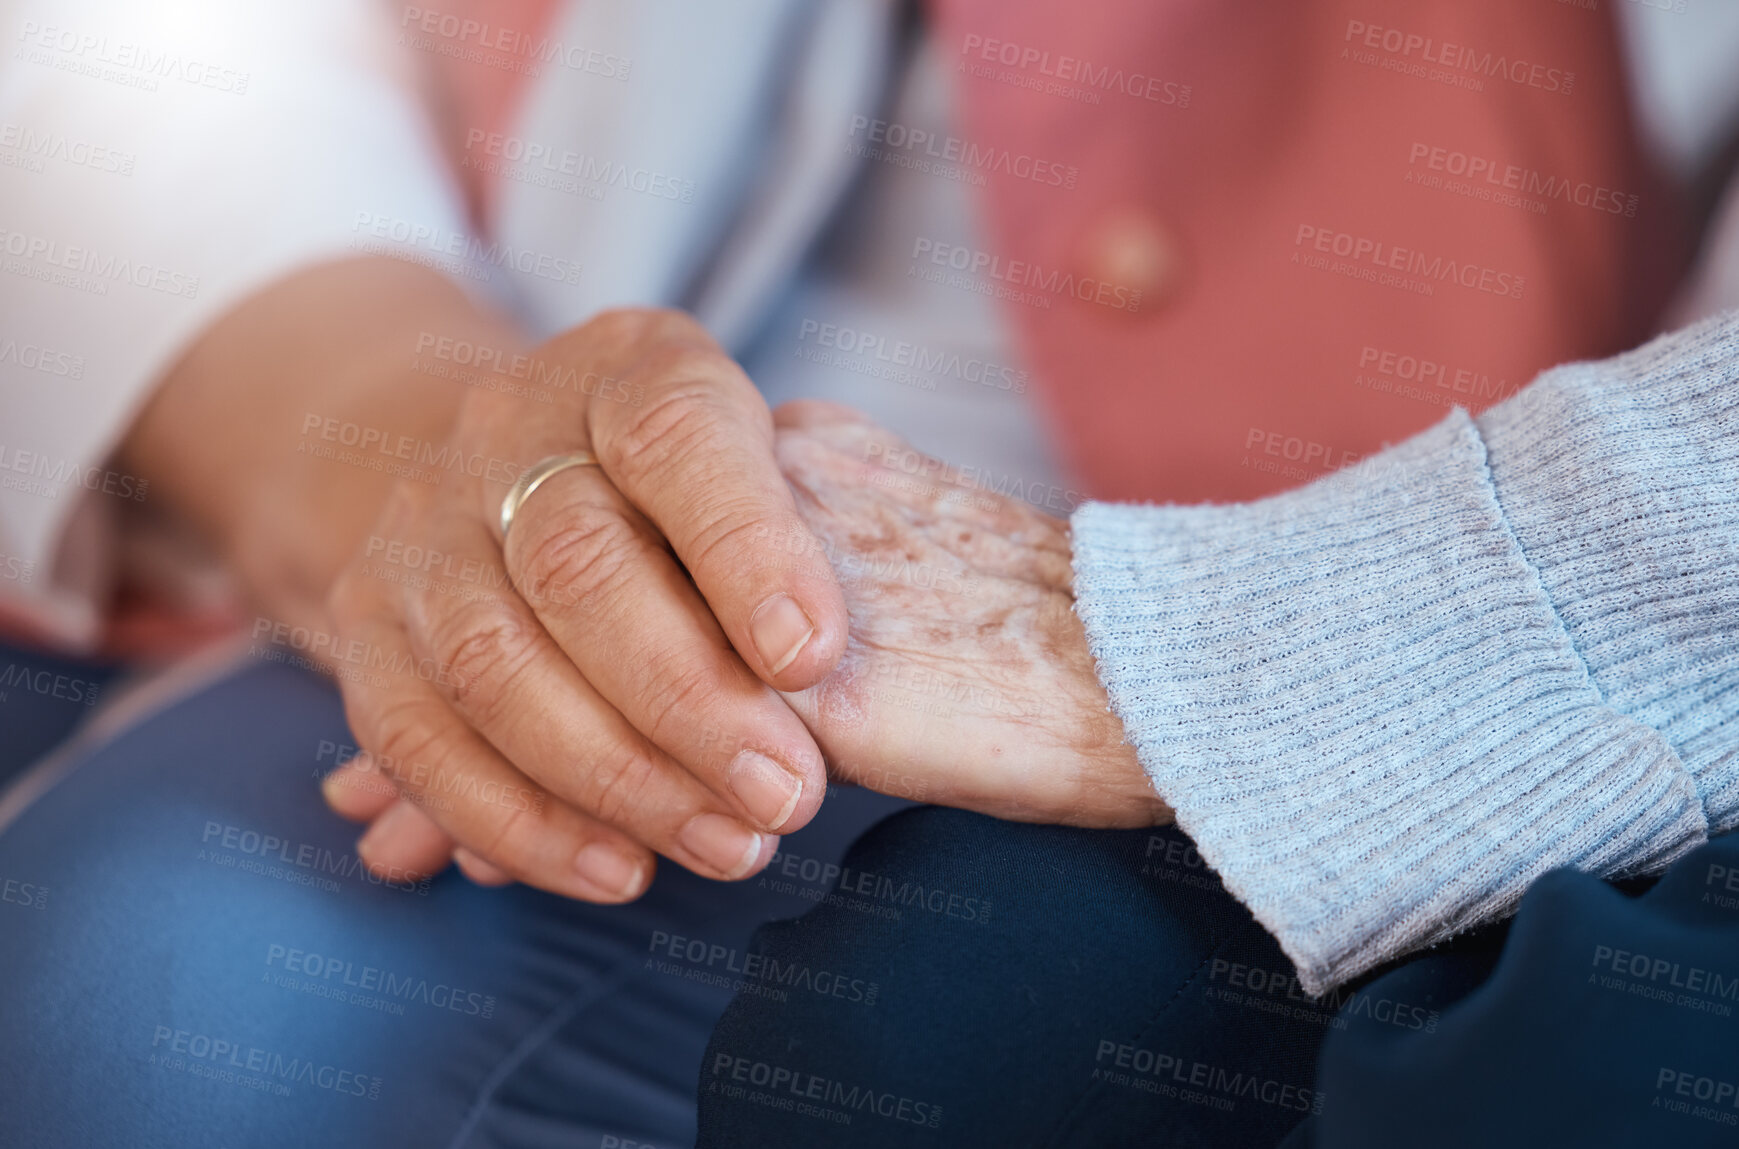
(602,688)
(966,680)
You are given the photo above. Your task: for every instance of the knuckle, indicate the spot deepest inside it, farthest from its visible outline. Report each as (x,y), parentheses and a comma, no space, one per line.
(678,702)
(480,647)
(622,335)
(617,784)
(674,426)
(347,599)
(399,731)
(508,847)
(588,554)
(680,363)
(353,595)
(738,534)
(620,327)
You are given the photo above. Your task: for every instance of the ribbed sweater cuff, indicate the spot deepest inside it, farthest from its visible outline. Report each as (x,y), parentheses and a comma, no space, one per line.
(1364,708)
(1621,481)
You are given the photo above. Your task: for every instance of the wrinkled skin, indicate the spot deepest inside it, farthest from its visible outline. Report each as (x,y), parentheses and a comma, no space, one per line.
(966,679)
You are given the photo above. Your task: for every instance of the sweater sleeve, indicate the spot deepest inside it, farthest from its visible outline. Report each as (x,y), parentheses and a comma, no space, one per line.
(258,139)
(1383,704)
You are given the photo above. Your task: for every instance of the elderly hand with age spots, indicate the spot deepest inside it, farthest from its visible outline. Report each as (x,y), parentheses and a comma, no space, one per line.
(966,675)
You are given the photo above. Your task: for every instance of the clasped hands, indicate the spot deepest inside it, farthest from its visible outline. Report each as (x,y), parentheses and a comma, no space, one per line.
(684,642)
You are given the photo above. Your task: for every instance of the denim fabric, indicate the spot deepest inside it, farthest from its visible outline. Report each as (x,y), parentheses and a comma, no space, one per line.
(1115,995)
(191,955)
(1037,986)
(44,698)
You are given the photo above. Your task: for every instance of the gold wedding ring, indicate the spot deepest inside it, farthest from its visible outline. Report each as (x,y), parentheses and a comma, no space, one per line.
(533,477)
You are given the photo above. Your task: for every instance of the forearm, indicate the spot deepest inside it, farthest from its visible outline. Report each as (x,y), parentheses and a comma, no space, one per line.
(225,439)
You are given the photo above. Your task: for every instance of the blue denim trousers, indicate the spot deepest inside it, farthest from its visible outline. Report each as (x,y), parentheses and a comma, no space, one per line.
(191,953)
(1051,987)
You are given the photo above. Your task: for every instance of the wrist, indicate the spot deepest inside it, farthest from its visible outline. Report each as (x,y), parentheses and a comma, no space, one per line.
(279,434)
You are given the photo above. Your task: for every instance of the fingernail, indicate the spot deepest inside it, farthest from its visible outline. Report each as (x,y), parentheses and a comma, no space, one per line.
(781,630)
(387,830)
(722,842)
(610,869)
(768,790)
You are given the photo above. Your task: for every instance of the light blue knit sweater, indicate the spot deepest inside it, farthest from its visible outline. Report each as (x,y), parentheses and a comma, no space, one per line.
(1385,703)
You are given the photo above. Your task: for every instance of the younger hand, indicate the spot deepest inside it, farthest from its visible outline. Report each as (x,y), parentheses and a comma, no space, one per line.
(611,694)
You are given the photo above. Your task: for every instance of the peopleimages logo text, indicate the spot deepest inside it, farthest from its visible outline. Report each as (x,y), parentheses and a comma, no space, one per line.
(101,265)
(898,137)
(1413,46)
(1421,267)
(1073,70)
(1021,274)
